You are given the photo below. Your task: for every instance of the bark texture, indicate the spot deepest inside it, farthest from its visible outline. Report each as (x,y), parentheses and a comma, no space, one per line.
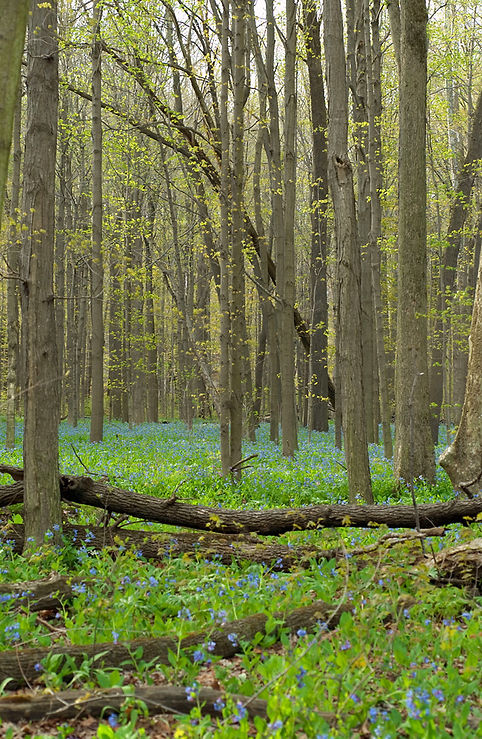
(42,384)
(158,699)
(12,35)
(414,455)
(84,491)
(97,399)
(19,665)
(349,350)
(463,459)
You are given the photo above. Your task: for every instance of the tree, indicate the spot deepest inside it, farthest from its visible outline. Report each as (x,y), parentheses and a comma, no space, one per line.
(287,273)
(462,461)
(97,413)
(349,354)
(318,389)
(13,332)
(12,35)
(42,384)
(413,443)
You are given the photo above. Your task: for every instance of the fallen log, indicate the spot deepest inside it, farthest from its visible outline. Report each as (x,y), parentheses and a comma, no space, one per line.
(52,592)
(40,595)
(158,546)
(22,665)
(460,565)
(68,704)
(85,491)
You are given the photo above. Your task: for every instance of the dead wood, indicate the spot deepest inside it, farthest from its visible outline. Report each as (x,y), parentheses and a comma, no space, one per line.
(72,704)
(22,665)
(40,595)
(460,565)
(85,491)
(158,546)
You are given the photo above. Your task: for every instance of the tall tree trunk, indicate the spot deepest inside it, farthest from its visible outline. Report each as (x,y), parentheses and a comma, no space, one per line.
(413,442)
(150,328)
(374,104)
(12,36)
(224,196)
(318,370)
(273,151)
(457,217)
(97,398)
(463,459)
(287,273)
(349,367)
(238,330)
(116,386)
(42,495)
(357,64)
(136,313)
(13,333)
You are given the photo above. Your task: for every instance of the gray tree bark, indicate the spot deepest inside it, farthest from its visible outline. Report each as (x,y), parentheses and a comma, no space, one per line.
(375,167)
(42,495)
(12,36)
(225,322)
(349,360)
(413,442)
(13,332)
(318,372)
(287,275)
(463,459)
(97,397)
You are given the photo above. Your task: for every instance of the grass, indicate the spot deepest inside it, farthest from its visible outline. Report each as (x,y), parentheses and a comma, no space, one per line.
(405,663)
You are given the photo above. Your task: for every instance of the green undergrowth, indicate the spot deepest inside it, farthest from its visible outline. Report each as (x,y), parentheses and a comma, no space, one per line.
(403,663)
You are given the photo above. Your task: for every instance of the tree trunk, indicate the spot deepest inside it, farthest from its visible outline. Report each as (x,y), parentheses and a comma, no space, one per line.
(374,104)
(225,322)
(413,442)
(357,63)
(458,213)
(12,36)
(286,281)
(463,459)
(97,397)
(13,333)
(238,318)
(42,498)
(150,329)
(349,368)
(116,386)
(318,371)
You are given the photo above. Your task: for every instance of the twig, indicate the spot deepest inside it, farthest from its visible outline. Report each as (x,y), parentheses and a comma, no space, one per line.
(241,465)
(80,460)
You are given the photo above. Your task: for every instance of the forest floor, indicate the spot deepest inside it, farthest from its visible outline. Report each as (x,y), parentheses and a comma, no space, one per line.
(399,656)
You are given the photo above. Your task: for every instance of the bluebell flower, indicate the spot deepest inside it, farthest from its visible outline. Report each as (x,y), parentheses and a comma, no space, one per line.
(191,692)
(299,677)
(219,704)
(113,722)
(233,638)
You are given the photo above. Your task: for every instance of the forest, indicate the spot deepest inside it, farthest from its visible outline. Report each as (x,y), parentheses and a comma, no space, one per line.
(240,369)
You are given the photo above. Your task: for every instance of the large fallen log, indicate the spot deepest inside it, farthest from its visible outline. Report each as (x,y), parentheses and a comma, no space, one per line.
(158,699)
(21,666)
(460,565)
(52,592)
(171,511)
(40,595)
(157,546)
